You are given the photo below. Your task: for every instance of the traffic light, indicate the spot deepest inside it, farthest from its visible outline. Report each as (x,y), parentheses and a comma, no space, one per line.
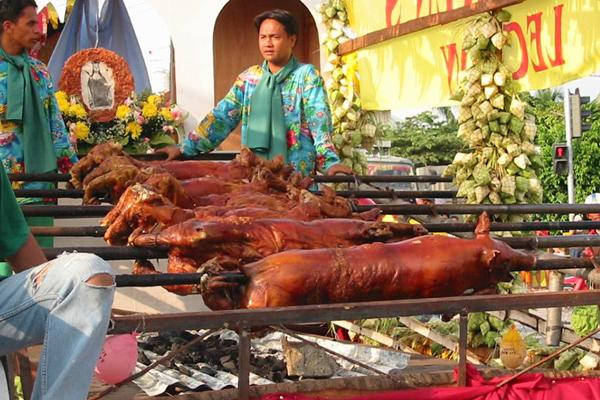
(578,115)
(560,158)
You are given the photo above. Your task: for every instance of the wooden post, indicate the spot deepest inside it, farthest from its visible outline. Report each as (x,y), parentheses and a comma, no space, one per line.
(554,325)
(244,365)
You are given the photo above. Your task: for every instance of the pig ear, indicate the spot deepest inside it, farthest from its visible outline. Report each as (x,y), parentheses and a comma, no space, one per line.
(487,256)
(483,225)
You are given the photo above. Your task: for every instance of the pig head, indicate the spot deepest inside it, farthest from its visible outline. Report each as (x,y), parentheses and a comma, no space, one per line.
(499,257)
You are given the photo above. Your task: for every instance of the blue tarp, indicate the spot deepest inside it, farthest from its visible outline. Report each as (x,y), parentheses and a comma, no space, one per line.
(111,30)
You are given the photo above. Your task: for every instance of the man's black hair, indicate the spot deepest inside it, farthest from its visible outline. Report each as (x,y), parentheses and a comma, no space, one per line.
(10,10)
(282,16)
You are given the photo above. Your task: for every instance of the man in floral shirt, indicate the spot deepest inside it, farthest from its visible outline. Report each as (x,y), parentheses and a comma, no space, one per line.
(282,105)
(19,32)
(33,137)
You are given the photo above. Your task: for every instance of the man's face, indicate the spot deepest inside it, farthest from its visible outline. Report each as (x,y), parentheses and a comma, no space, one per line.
(24,32)
(274,43)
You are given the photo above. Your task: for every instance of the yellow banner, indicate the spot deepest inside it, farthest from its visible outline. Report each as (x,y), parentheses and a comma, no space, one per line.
(552,42)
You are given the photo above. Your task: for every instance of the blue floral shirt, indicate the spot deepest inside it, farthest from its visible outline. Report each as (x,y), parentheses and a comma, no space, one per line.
(306,114)
(11,147)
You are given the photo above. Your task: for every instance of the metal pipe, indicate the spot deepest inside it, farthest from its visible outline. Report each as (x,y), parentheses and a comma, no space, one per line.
(514,226)
(569,139)
(212,156)
(65,211)
(50,193)
(87,231)
(98,231)
(110,252)
(402,209)
(50,177)
(375,194)
(351,311)
(561,264)
(398,194)
(435,209)
(47,177)
(124,280)
(150,280)
(380,178)
(547,242)
(533,243)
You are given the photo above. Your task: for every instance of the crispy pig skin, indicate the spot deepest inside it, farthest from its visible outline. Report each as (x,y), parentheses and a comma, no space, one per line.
(428,266)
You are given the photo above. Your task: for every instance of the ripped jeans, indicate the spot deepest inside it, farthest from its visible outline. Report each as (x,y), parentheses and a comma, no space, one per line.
(54,305)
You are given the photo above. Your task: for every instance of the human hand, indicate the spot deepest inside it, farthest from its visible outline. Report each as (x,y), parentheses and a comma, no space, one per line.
(339,169)
(172,152)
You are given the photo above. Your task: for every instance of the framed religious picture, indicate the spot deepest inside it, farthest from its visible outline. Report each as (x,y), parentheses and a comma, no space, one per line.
(100,78)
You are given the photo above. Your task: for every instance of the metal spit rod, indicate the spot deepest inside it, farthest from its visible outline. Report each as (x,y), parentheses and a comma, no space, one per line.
(125,280)
(374,194)
(351,311)
(98,231)
(132,253)
(53,177)
(402,209)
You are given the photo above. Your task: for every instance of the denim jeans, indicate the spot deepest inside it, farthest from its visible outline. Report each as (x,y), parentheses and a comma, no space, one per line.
(54,305)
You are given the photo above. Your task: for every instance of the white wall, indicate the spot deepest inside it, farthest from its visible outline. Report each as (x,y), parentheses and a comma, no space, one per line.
(191,24)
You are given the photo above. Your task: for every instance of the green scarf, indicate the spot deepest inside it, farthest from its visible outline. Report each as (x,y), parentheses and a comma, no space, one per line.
(266,134)
(25,107)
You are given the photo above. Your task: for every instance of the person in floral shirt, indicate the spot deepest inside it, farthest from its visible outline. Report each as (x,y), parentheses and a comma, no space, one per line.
(16,40)
(33,137)
(282,105)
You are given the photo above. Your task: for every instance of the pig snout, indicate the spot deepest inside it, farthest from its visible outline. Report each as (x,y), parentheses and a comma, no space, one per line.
(511,259)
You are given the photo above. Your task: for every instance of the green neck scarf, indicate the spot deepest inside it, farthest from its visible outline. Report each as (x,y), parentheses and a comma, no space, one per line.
(266,134)
(25,107)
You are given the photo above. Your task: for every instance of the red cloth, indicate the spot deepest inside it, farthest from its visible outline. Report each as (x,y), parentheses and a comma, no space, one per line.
(588,252)
(577,282)
(526,387)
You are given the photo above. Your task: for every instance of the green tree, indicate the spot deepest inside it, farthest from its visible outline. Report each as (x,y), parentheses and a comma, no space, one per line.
(550,120)
(428,138)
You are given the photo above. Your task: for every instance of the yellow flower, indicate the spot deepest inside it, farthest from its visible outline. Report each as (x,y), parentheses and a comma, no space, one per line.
(149,110)
(166,114)
(154,99)
(134,129)
(63,101)
(63,106)
(77,110)
(61,96)
(82,131)
(123,112)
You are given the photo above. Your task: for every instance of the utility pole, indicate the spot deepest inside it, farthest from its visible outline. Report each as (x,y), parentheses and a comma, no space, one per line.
(569,140)
(556,280)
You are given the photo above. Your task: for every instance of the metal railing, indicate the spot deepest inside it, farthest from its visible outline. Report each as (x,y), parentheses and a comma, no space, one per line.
(244,320)
(400,209)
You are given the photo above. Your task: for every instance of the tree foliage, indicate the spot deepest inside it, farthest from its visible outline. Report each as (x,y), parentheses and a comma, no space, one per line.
(427,138)
(586,150)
